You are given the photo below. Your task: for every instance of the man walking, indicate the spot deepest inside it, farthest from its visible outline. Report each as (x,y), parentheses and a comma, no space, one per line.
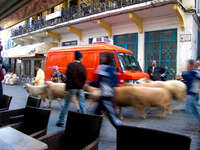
(106,81)
(191,76)
(39,79)
(76,77)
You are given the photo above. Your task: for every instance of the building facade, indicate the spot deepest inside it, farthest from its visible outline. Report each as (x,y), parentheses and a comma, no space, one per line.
(162,30)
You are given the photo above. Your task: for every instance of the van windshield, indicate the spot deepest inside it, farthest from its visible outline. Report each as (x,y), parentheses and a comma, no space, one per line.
(128,62)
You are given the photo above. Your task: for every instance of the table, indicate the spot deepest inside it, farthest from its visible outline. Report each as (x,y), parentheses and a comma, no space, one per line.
(12,139)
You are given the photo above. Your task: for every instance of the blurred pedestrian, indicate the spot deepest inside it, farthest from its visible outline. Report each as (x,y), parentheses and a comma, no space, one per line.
(106,81)
(39,79)
(75,80)
(4,69)
(156,73)
(197,83)
(1,79)
(191,76)
(57,76)
(197,65)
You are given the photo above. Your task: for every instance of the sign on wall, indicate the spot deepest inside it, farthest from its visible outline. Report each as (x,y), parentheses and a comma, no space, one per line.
(69,43)
(185,37)
(32,8)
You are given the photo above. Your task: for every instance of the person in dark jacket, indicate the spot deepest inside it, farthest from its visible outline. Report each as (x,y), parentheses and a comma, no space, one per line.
(106,81)
(156,73)
(76,77)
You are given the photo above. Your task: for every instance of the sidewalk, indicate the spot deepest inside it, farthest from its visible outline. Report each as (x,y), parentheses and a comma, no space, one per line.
(179,122)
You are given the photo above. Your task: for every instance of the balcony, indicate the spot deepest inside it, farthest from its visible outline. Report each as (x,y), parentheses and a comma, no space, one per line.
(76,12)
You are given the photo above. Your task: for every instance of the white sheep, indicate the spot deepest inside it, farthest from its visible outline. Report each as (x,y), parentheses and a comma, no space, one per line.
(37,91)
(176,88)
(56,91)
(138,97)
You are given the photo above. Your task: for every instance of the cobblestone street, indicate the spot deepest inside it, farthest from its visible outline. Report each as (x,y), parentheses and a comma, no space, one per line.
(179,122)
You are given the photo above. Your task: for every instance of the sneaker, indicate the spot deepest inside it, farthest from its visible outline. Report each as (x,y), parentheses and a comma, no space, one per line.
(60,124)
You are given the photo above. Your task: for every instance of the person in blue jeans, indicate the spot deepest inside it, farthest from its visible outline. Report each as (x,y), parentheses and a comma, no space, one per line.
(191,76)
(76,77)
(106,81)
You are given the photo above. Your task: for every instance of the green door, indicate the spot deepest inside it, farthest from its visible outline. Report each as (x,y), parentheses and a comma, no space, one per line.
(128,41)
(162,47)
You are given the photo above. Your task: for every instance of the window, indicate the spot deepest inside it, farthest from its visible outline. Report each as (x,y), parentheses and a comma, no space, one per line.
(102,58)
(127,41)
(128,62)
(27,67)
(69,43)
(52,10)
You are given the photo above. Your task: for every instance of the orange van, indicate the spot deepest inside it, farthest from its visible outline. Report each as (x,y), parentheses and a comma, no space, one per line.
(123,60)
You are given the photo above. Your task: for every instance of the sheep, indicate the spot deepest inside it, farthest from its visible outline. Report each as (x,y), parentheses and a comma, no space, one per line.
(176,88)
(37,91)
(143,80)
(57,91)
(10,79)
(140,98)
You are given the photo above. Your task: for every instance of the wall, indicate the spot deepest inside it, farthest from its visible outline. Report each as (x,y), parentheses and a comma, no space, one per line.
(185,50)
(188,4)
(149,24)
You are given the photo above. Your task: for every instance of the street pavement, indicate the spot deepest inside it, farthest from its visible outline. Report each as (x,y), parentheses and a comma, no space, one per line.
(179,122)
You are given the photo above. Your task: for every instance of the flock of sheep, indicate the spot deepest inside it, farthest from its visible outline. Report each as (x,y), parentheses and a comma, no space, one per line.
(146,94)
(10,79)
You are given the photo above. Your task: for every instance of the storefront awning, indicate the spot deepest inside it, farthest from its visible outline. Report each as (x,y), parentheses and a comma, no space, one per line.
(28,50)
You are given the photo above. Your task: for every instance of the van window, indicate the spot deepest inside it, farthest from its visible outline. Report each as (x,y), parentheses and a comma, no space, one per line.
(103,54)
(128,62)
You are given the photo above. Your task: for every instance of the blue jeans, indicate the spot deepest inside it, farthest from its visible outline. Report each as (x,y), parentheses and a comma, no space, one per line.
(81,99)
(192,105)
(106,104)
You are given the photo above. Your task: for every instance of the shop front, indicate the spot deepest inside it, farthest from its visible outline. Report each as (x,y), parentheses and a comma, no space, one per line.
(25,58)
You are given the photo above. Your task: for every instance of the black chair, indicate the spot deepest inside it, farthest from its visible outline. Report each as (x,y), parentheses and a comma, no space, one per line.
(33,101)
(5,102)
(136,138)
(30,120)
(81,132)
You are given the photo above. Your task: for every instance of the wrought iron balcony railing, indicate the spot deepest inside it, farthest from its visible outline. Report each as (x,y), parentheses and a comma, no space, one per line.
(76,12)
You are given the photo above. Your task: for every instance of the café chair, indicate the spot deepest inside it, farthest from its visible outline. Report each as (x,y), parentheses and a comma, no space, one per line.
(81,133)
(33,101)
(5,102)
(30,120)
(131,137)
